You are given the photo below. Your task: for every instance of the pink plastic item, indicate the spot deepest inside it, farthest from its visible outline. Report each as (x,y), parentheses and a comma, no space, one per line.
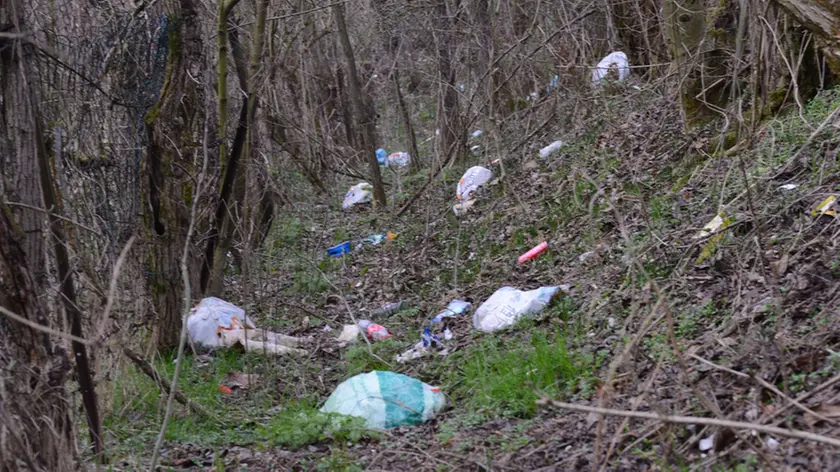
(373,331)
(533,252)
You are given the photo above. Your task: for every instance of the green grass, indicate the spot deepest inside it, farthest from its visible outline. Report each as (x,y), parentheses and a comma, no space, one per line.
(240,418)
(505,378)
(359,360)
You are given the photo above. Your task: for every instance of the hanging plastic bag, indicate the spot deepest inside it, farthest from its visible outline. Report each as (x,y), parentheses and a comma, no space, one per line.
(399,159)
(508,304)
(473,178)
(382,157)
(361,192)
(617,60)
(210,317)
(386,400)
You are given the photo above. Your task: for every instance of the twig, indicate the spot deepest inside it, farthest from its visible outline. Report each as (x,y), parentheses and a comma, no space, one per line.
(791,433)
(55,215)
(147,368)
(112,289)
(766,385)
(42,328)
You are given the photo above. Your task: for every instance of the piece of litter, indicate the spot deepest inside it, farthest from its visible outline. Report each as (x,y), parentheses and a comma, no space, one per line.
(825,208)
(533,252)
(349,333)
(241,380)
(788,187)
(712,226)
(772,444)
(707,443)
(551,149)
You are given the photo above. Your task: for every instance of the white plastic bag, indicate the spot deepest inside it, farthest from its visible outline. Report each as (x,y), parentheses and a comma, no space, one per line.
(210,317)
(473,178)
(399,159)
(551,149)
(615,59)
(508,304)
(386,400)
(361,192)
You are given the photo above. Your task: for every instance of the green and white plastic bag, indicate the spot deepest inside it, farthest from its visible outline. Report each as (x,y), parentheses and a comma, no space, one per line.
(386,400)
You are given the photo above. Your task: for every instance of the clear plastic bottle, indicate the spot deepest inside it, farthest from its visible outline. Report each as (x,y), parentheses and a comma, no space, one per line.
(373,331)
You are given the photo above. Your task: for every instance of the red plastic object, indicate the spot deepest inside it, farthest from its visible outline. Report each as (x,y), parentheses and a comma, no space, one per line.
(377,332)
(533,252)
(225,389)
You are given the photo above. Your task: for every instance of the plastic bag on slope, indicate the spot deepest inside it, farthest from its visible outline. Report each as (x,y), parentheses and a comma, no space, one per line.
(361,192)
(615,59)
(473,178)
(386,400)
(399,159)
(508,304)
(211,316)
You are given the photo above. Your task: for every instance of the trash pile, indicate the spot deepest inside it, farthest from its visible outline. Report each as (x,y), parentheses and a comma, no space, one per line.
(507,305)
(473,178)
(359,193)
(616,61)
(386,400)
(374,239)
(217,323)
(430,339)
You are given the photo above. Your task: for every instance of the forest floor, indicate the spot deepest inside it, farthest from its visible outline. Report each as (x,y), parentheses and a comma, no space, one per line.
(731,325)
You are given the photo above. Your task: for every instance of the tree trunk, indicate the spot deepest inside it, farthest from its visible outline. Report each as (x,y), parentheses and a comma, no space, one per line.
(452,136)
(366,139)
(685,24)
(172,127)
(821,18)
(36,430)
(406,118)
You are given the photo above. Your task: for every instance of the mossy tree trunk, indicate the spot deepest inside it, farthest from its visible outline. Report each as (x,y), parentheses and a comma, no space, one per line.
(366,137)
(685,26)
(173,127)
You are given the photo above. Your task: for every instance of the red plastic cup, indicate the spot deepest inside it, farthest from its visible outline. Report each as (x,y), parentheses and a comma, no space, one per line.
(533,252)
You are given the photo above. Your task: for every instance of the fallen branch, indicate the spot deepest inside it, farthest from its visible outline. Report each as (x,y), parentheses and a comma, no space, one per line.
(147,368)
(791,433)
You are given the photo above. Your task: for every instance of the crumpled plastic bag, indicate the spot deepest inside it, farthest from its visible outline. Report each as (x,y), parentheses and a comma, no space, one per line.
(615,59)
(212,316)
(399,159)
(508,304)
(361,192)
(217,323)
(473,178)
(386,400)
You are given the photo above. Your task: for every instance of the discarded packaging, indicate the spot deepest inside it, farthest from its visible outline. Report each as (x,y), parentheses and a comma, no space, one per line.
(826,207)
(262,341)
(359,193)
(224,389)
(463,207)
(390,309)
(339,250)
(211,316)
(349,333)
(391,236)
(533,252)
(373,239)
(788,187)
(386,400)
(382,157)
(712,226)
(430,340)
(373,331)
(399,159)
(551,149)
(508,304)
(707,443)
(476,134)
(473,178)
(614,60)
(476,150)
(455,308)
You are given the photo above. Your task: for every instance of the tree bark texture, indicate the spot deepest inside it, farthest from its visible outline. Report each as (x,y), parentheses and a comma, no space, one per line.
(452,135)
(36,430)
(365,123)
(172,126)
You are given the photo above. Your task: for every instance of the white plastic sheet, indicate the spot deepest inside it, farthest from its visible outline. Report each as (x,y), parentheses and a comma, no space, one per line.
(508,304)
(473,178)
(615,59)
(551,149)
(399,159)
(210,317)
(361,192)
